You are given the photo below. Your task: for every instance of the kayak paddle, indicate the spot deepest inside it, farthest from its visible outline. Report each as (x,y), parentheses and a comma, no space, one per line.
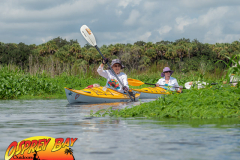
(229,82)
(88,35)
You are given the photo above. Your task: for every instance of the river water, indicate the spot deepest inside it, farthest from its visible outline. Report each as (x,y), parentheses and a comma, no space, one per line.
(118,138)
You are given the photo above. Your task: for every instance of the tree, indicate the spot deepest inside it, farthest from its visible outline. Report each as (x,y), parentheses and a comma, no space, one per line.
(164,42)
(116,49)
(60,42)
(171,53)
(151,53)
(140,43)
(48,48)
(148,45)
(131,56)
(181,41)
(87,46)
(17,54)
(180,51)
(161,50)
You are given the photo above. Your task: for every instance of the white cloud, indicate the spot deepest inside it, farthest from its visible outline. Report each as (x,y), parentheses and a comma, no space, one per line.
(151,5)
(133,17)
(183,22)
(54,13)
(43,40)
(118,12)
(125,3)
(208,3)
(213,34)
(119,21)
(213,15)
(216,35)
(164,30)
(145,36)
(200,3)
(94,20)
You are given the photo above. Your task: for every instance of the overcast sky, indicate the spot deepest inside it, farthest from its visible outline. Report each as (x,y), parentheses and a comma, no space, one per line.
(119,21)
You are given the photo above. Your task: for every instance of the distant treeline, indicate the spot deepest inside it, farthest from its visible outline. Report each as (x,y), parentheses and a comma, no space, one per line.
(59,55)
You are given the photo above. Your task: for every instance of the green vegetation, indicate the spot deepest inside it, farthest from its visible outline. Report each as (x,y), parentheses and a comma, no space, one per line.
(211,102)
(214,101)
(59,56)
(17,84)
(42,71)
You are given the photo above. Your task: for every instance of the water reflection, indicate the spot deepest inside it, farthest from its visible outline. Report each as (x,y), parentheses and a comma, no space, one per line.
(115,105)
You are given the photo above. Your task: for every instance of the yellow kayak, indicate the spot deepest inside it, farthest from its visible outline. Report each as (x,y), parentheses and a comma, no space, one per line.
(151,92)
(97,95)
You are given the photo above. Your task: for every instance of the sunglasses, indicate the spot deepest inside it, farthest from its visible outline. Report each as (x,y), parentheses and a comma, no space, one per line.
(167,72)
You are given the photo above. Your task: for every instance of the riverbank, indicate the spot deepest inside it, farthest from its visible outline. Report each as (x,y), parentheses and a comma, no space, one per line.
(17,84)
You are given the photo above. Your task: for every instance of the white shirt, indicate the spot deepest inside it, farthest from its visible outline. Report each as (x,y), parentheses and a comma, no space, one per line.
(112,81)
(172,82)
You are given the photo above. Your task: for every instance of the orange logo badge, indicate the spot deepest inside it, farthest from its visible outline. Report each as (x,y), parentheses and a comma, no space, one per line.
(41,147)
(89,31)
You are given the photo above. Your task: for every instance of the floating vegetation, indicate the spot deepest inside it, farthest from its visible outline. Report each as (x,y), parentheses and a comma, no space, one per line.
(211,102)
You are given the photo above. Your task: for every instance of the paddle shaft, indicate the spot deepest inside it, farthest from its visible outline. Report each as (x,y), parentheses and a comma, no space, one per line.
(113,71)
(229,82)
(160,85)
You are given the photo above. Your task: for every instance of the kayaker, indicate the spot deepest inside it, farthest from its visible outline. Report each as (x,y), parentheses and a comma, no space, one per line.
(167,80)
(112,81)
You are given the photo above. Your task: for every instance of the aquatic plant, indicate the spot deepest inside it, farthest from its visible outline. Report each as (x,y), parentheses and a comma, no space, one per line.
(233,66)
(212,102)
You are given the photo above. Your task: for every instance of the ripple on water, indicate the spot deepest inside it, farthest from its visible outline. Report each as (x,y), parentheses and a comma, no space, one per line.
(118,138)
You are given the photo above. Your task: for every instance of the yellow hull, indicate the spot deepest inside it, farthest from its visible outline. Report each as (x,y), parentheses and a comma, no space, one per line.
(151,92)
(96,95)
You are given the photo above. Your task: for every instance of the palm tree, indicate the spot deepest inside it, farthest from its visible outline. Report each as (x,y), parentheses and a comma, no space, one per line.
(151,53)
(148,45)
(116,49)
(131,56)
(161,50)
(171,53)
(75,48)
(180,51)
(140,43)
(192,49)
(69,151)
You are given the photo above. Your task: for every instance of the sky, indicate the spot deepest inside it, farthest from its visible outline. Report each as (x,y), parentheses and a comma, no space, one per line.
(120,21)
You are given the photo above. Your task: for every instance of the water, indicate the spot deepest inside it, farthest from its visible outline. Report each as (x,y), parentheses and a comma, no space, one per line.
(118,138)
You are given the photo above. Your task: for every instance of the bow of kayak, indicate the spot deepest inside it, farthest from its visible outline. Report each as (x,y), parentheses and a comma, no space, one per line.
(97,95)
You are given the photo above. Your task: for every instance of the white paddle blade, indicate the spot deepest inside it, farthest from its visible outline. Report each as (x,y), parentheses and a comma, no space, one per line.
(88,35)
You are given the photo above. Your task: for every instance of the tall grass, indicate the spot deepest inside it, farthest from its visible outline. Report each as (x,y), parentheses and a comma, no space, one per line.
(52,67)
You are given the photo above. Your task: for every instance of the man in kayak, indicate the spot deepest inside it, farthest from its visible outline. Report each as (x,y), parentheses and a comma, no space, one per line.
(112,81)
(167,80)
